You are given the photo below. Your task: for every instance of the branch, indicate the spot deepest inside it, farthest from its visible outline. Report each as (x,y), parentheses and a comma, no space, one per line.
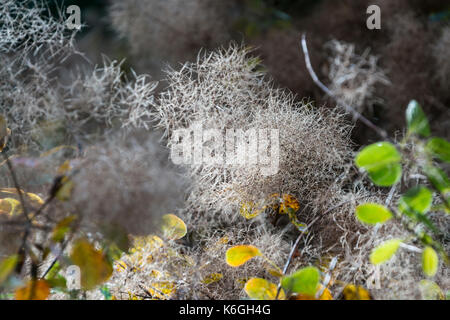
(327,91)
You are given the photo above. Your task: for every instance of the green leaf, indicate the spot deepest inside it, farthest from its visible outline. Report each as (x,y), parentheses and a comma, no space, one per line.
(261,289)
(7,267)
(173,227)
(382,162)
(438,178)
(238,255)
(417,199)
(303,281)
(430,261)
(95,268)
(439,148)
(416,120)
(373,213)
(384,251)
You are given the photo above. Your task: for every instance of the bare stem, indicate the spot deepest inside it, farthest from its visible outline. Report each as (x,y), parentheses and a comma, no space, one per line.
(325,89)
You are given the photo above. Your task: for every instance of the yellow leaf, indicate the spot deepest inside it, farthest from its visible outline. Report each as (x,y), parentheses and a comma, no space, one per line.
(249,210)
(261,289)
(10,206)
(34,290)
(239,255)
(352,292)
(274,272)
(95,269)
(211,278)
(162,290)
(173,227)
(289,204)
(34,199)
(65,190)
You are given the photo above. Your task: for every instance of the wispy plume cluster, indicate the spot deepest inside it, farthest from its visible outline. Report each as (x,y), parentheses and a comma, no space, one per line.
(126,181)
(353,77)
(226,90)
(36,90)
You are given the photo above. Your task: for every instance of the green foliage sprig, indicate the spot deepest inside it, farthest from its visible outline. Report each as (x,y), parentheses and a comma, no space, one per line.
(383,162)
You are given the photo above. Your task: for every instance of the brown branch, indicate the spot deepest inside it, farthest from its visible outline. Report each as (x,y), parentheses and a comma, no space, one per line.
(325,89)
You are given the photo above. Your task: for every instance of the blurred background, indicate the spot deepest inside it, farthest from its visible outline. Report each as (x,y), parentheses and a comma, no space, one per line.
(376,71)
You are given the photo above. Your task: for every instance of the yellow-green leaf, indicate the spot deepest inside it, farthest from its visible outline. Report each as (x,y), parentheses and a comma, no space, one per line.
(95,269)
(65,189)
(430,261)
(7,267)
(238,255)
(373,213)
(384,251)
(261,289)
(173,227)
(305,281)
(382,162)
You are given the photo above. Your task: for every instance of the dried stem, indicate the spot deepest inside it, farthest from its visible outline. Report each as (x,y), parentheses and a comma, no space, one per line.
(325,89)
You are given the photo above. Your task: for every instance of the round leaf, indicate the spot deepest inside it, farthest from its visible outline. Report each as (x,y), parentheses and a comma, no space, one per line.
(384,251)
(439,148)
(239,255)
(373,213)
(416,119)
(382,162)
(95,269)
(430,290)
(173,227)
(304,281)
(352,292)
(417,199)
(430,261)
(261,289)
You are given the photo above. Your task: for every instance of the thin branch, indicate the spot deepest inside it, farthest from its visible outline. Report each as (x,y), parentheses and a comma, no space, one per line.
(325,89)
(297,241)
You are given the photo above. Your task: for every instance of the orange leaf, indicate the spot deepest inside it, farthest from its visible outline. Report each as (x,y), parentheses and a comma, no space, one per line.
(34,290)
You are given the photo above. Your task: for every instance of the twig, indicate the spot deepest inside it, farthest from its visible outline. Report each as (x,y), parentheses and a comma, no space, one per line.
(325,89)
(291,254)
(297,241)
